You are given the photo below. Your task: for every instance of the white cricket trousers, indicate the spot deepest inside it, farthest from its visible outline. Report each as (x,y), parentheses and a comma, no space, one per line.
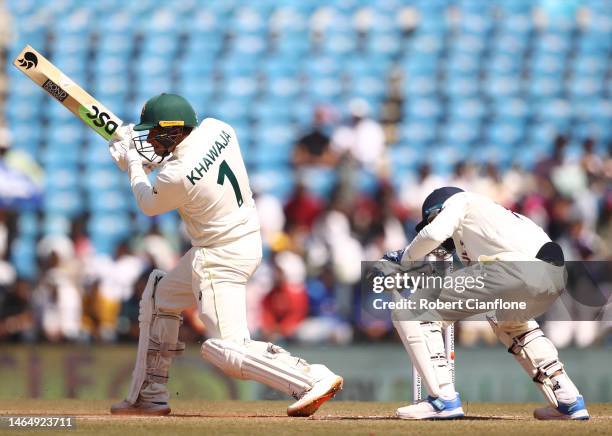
(214,279)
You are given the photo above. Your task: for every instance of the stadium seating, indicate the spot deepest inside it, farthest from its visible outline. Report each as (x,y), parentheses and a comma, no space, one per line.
(485,76)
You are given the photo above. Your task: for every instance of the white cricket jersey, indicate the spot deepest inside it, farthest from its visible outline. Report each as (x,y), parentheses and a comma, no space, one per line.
(478,226)
(206,181)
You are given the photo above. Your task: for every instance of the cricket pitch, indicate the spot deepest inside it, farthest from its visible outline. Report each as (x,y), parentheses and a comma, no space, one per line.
(269,418)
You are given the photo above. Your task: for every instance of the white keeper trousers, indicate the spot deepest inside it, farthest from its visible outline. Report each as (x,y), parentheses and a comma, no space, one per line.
(214,279)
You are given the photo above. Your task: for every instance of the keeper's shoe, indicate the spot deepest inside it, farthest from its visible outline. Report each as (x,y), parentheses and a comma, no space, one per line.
(574,411)
(432,408)
(140,408)
(323,390)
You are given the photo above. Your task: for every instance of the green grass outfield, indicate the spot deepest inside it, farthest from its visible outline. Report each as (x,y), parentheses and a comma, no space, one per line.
(268,418)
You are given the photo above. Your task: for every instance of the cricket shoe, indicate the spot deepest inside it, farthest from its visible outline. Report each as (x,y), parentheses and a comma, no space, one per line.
(140,407)
(575,411)
(432,408)
(312,399)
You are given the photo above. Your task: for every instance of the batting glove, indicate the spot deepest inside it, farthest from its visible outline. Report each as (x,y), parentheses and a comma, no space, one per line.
(394,256)
(119,145)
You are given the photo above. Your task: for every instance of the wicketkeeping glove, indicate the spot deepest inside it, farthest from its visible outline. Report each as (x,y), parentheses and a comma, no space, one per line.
(394,256)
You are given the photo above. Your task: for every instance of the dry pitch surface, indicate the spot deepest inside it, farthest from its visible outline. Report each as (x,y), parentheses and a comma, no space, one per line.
(268,418)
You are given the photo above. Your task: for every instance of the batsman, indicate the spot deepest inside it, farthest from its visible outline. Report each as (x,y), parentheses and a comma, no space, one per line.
(515,259)
(203,176)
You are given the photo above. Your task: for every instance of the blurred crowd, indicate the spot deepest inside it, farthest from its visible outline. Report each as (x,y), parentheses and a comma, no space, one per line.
(307,287)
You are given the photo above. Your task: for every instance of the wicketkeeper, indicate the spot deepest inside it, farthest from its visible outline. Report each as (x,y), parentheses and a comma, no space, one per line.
(203,176)
(520,263)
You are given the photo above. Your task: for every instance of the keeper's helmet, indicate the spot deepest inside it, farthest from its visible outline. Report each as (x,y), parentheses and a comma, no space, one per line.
(432,206)
(173,115)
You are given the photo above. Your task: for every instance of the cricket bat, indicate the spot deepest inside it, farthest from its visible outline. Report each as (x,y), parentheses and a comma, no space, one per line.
(63,89)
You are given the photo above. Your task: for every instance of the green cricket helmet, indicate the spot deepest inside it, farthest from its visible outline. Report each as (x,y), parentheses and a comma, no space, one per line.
(170,112)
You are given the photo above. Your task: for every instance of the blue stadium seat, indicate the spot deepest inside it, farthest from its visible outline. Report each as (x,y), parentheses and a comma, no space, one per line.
(387,44)
(557,112)
(102,179)
(499,154)
(476,18)
(547,65)
(426,44)
(418,133)
(249,46)
(21,110)
(69,45)
(236,65)
(244,135)
(584,87)
(23,257)
(368,87)
(504,134)
(423,109)
(230,111)
(503,64)
(197,90)
(278,181)
(544,87)
(65,202)
(115,42)
(275,138)
(319,181)
(460,134)
(53,156)
(501,86)
(27,225)
(66,136)
(468,44)
(288,19)
(95,154)
(517,17)
(542,134)
(445,158)
(109,200)
(460,87)
(325,89)
(472,109)
(294,45)
(367,65)
(242,88)
(554,43)
(62,178)
(303,111)
(511,109)
(248,20)
(111,65)
(147,87)
(462,64)
(203,45)
(277,66)
(107,230)
(419,86)
(405,156)
(271,111)
(56,113)
(267,158)
(282,88)
(318,66)
(591,66)
(153,66)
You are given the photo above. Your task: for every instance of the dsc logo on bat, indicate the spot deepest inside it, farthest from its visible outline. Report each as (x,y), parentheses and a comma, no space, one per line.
(99,120)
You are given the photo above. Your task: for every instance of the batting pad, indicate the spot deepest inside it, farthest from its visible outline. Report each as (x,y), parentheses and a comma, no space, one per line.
(262,362)
(536,354)
(145,316)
